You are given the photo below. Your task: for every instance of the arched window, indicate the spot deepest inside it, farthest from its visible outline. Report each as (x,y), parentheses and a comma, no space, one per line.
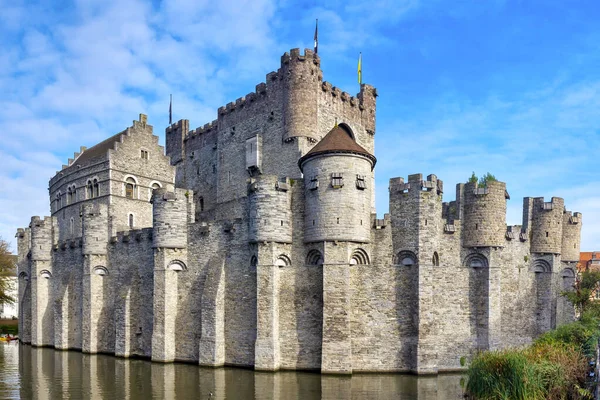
(406,258)
(435,260)
(283,261)
(100,271)
(69,195)
(314,257)
(96,188)
(541,266)
(89,190)
(72,226)
(154,186)
(476,261)
(58,205)
(359,257)
(130,188)
(347,129)
(130,221)
(253,261)
(177,265)
(201,203)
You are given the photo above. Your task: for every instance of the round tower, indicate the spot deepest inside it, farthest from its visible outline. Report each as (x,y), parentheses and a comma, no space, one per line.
(41,239)
(571,236)
(547,225)
(170,217)
(484,215)
(337,199)
(301,75)
(270,210)
(95,228)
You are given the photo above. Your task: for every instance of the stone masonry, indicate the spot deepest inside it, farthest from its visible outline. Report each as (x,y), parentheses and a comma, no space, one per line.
(253,241)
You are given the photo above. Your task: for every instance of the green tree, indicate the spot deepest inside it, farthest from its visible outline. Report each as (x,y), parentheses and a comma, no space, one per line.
(473,178)
(585,286)
(482,180)
(7,271)
(485,179)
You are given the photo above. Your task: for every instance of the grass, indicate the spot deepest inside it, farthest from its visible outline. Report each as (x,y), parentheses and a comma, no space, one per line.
(554,367)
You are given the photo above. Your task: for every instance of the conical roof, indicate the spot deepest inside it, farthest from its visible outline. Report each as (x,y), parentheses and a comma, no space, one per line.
(337,141)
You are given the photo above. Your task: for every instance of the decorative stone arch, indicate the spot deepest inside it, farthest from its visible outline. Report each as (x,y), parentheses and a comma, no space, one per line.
(177,266)
(45,274)
(476,260)
(130,187)
(283,261)
(359,257)
(24,276)
(348,130)
(153,185)
(541,266)
(568,273)
(314,257)
(435,259)
(407,258)
(100,270)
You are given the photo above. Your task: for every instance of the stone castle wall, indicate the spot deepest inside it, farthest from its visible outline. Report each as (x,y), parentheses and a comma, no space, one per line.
(237,257)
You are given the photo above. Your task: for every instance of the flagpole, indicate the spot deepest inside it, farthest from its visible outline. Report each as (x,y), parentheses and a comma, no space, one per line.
(360,68)
(317,36)
(171,109)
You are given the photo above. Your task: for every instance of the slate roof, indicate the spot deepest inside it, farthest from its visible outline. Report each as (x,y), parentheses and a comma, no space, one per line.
(337,141)
(99,150)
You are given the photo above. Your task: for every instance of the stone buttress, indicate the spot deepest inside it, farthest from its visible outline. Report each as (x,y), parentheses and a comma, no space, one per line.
(270,232)
(172,211)
(42,318)
(96,279)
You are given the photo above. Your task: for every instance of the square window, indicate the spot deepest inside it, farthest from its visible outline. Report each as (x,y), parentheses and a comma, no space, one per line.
(144,154)
(337,180)
(360,182)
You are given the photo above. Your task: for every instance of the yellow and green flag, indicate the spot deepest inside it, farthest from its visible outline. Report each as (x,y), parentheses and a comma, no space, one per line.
(360,69)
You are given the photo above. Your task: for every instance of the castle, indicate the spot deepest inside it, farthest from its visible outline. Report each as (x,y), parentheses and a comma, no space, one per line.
(253,241)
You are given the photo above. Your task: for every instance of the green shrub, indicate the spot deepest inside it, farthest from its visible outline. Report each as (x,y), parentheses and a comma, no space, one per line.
(550,370)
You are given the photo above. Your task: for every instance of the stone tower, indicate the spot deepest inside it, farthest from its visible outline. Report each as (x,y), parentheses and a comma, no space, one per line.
(172,212)
(415,211)
(337,217)
(42,319)
(96,276)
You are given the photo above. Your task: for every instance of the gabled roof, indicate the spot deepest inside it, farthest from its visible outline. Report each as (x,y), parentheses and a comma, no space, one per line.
(99,150)
(338,140)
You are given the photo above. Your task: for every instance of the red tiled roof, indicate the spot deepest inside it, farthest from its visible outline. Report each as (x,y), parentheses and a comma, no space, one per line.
(584,259)
(337,141)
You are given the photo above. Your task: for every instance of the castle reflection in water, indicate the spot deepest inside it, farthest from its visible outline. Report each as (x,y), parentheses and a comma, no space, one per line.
(44,373)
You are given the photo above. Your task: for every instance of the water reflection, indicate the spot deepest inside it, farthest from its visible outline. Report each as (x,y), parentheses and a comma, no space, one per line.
(33,373)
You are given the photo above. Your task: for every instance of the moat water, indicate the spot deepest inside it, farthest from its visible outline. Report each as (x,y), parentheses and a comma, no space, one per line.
(35,373)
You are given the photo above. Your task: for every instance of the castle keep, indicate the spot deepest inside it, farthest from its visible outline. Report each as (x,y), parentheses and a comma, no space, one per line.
(253,241)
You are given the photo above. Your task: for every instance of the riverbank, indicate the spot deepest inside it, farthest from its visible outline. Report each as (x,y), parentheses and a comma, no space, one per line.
(555,366)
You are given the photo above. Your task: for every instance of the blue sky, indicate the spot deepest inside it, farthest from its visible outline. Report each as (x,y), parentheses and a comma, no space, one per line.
(509,87)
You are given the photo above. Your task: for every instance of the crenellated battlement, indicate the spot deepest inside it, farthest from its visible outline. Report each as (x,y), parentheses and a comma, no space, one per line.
(294,58)
(171,211)
(556,203)
(37,221)
(416,183)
